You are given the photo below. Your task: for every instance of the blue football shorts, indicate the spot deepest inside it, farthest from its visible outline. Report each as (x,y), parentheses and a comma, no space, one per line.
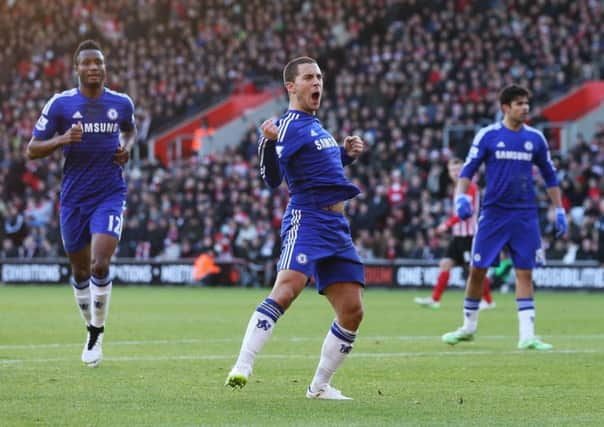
(517,232)
(318,243)
(78,224)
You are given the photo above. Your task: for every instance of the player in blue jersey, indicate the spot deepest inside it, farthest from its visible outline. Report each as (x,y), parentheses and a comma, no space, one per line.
(508,218)
(316,240)
(94,126)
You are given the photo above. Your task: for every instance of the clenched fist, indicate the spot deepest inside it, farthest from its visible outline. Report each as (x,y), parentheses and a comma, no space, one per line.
(353,145)
(73,134)
(269,130)
(121,156)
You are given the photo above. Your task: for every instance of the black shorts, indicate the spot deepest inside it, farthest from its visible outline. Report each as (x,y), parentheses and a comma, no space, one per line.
(460,249)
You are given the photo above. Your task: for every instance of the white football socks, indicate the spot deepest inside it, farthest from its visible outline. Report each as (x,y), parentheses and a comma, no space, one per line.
(100,292)
(470,315)
(338,343)
(81,291)
(259,330)
(526,318)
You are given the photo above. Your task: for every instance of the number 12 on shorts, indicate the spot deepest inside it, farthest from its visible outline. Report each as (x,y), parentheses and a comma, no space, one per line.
(115,224)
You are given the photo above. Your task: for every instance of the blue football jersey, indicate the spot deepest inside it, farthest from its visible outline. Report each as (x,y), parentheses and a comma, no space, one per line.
(310,159)
(509,157)
(89,174)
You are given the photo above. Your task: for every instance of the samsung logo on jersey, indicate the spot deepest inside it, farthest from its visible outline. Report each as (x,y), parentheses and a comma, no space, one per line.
(322,143)
(100,127)
(513,155)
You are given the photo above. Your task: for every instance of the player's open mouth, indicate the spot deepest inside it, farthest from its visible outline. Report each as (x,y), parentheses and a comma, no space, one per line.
(315,96)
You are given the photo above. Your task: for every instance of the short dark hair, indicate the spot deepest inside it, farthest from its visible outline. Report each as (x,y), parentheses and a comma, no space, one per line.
(455,160)
(511,92)
(290,71)
(86,45)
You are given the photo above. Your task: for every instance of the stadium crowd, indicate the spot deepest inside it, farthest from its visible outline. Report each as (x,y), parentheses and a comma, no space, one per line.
(396,72)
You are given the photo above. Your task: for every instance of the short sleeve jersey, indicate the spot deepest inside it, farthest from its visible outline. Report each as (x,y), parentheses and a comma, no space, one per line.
(509,157)
(89,174)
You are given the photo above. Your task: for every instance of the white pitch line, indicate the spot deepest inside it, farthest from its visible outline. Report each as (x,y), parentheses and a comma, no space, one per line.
(278,339)
(12,362)
(116,343)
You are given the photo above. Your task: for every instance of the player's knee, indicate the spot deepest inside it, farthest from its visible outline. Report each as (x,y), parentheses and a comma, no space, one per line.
(357,317)
(284,297)
(80,273)
(358,313)
(477,276)
(100,267)
(353,317)
(287,289)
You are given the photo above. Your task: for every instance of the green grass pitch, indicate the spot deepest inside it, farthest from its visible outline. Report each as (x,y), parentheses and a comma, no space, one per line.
(168,350)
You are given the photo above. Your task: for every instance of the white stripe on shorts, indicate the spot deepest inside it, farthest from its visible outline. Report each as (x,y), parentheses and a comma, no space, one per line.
(292,236)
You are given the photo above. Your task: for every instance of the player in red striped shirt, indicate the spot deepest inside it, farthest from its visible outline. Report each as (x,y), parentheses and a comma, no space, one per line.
(458,252)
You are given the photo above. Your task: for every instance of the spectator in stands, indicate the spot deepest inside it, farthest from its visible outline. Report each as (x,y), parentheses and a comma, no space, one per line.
(555,250)
(9,250)
(586,251)
(15,226)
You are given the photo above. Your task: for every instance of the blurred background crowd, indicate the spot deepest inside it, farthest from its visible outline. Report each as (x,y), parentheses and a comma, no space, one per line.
(396,73)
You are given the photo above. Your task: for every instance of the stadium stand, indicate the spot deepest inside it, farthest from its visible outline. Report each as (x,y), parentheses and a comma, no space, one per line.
(397,73)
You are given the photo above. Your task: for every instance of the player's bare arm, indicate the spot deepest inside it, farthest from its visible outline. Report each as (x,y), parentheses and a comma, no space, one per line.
(37,149)
(127,141)
(462,186)
(269,130)
(353,145)
(555,196)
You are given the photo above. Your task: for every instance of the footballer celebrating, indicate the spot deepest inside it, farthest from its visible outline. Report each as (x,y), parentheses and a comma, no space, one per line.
(316,240)
(94,126)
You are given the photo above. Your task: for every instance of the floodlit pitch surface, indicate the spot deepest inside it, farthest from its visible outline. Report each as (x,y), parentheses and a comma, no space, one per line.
(168,350)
